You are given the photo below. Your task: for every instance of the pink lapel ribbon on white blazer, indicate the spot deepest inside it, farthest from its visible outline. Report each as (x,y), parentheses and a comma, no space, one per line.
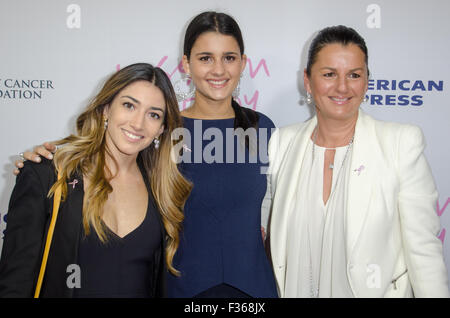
(360,169)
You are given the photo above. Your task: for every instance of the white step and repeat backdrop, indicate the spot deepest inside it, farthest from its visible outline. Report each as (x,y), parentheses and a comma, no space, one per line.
(54,54)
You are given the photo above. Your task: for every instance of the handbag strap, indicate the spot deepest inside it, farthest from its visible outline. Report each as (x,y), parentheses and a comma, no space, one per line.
(48,242)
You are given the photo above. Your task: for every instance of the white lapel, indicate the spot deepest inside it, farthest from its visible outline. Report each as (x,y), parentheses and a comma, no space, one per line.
(362,174)
(285,195)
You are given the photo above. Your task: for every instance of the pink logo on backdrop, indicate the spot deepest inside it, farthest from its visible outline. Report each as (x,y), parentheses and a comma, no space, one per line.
(440,212)
(244,99)
(178,68)
(262,63)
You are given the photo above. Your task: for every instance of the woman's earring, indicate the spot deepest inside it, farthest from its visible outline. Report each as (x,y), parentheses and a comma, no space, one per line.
(237,90)
(156,141)
(183,89)
(365,99)
(308,98)
(105,123)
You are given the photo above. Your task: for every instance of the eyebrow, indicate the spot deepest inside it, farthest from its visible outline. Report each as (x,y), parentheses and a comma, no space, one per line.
(333,69)
(133,99)
(210,53)
(157,108)
(138,102)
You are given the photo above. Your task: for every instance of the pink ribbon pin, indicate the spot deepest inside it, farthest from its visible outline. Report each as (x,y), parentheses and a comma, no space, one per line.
(361,168)
(73,183)
(186,148)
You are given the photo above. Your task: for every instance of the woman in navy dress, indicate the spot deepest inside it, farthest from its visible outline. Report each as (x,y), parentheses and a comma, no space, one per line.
(221,252)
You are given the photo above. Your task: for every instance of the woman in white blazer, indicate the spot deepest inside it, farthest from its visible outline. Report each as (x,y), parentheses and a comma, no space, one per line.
(352,199)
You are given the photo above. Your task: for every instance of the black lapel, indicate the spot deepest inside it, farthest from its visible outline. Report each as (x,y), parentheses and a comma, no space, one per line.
(64,248)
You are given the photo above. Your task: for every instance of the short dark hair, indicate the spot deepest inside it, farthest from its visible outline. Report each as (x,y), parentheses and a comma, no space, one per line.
(335,34)
(211,21)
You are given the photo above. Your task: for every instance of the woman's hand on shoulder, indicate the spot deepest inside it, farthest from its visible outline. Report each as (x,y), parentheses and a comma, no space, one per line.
(45,150)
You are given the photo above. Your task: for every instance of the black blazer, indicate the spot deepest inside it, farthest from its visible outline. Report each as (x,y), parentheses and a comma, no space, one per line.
(28,219)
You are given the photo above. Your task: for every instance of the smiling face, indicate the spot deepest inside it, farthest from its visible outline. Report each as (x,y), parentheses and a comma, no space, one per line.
(135,118)
(338,81)
(215,65)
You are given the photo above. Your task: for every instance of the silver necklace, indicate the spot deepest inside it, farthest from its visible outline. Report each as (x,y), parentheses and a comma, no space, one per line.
(331,165)
(314,291)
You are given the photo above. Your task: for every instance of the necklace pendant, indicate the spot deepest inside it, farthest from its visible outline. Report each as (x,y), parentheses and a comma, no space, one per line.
(331,166)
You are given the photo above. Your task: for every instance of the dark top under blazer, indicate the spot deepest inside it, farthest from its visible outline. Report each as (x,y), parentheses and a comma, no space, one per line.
(27,224)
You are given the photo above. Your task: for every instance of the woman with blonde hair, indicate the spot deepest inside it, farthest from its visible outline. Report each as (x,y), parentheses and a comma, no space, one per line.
(122,198)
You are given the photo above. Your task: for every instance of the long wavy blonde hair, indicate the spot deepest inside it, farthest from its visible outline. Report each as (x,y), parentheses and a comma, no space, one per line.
(85,153)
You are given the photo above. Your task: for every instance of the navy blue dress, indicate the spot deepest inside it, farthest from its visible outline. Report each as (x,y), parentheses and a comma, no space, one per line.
(221,247)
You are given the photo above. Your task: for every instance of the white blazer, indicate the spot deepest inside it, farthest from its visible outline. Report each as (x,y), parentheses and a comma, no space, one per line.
(392,225)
